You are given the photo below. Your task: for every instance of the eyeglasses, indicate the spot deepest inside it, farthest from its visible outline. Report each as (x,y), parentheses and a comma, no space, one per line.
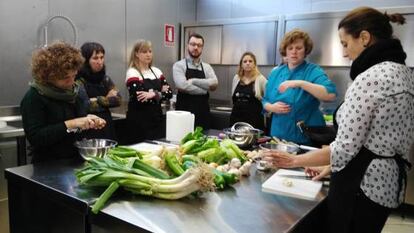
(195,44)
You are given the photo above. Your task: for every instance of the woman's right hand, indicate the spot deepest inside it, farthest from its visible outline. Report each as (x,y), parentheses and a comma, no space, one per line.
(279,107)
(84,123)
(318,173)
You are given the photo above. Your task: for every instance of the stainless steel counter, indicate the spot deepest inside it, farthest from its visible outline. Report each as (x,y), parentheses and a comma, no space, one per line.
(241,208)
(11,116)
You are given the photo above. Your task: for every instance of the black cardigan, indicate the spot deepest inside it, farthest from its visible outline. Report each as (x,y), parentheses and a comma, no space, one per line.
(43,123)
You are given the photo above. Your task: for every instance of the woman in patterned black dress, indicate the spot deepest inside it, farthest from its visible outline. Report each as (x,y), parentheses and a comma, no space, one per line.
(147,87)
(369,156)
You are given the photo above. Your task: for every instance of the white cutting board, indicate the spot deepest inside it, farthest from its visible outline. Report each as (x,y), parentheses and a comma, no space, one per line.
(300,188)
(145,146)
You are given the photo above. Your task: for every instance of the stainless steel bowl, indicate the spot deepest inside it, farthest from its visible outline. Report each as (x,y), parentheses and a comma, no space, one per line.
(290,148)
(89,148)
(243,138)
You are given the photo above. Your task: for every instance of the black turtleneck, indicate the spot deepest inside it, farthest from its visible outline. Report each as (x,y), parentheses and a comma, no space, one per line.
(383,50)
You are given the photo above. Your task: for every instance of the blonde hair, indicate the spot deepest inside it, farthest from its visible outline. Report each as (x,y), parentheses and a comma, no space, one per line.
(240,71)
(290,37)
(139,46)
(55,61)
(256,74)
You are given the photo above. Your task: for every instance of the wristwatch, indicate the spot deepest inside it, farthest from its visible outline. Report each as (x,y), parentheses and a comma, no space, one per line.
(73,130)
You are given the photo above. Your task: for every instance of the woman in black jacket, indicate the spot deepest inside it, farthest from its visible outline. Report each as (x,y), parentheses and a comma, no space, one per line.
(53,109)
(101,90)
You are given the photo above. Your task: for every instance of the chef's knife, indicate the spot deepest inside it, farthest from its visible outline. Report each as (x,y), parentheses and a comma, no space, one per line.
(324,179)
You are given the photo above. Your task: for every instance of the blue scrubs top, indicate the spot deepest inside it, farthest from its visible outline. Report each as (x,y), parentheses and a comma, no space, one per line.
(304,106)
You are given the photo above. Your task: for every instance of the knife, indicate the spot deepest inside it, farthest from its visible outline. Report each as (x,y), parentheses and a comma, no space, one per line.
(324,179)
(162,143)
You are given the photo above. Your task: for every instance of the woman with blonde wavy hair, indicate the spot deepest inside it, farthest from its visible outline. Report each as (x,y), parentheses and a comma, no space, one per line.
(147,87)
(248,88)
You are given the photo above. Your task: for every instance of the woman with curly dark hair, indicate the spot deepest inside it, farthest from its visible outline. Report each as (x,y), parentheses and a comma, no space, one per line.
(54,106)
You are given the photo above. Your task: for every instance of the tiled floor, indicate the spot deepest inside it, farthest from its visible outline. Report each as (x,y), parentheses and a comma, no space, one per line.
(400,221)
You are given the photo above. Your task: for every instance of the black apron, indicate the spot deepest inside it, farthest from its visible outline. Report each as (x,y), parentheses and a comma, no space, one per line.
(345,186)
(108,132)
(145,119)
(246,107)
(196,104)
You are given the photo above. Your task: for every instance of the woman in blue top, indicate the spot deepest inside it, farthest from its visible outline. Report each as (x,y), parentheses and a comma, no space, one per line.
(294,90)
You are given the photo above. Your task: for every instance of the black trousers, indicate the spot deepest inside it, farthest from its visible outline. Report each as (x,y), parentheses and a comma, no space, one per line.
(368,217)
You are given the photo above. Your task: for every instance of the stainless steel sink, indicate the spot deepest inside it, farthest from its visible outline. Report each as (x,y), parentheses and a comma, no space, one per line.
(11,116)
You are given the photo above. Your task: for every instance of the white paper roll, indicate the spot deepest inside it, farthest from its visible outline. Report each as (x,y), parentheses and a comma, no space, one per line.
(179,123)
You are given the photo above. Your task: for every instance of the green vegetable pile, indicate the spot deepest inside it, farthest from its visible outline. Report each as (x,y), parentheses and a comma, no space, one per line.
(166,174)
(133,175)
(210,150)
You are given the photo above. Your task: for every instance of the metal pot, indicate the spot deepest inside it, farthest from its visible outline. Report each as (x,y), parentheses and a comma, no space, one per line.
(243,138)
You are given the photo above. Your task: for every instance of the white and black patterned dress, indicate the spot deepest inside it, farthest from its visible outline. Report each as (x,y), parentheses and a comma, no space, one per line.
(377,113)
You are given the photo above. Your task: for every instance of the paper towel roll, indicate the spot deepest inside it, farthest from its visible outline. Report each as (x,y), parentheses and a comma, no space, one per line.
(179,123)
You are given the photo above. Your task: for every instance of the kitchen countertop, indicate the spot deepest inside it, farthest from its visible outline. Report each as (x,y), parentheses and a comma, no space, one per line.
(240,208)
(215,106)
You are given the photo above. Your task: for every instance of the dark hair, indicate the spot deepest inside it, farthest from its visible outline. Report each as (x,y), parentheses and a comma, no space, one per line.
(371,20)
(290,38)
(88,48)
(196,35)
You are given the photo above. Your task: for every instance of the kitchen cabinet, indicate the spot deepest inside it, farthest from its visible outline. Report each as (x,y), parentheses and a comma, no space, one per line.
(258,37)
(212,42)
(226,41)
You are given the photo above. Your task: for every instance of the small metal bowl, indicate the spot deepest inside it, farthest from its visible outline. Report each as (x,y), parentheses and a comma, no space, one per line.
(89,148)
(290,148)
(243,138)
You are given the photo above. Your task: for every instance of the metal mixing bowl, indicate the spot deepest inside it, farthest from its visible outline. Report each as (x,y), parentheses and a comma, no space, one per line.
(290,148)
(243,138)
(89,148)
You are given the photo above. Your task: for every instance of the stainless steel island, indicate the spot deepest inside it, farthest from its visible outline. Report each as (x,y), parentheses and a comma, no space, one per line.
(46,198)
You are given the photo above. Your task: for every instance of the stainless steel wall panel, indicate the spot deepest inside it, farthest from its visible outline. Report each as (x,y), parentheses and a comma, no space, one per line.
(19,30)
(94,22)
(406,34)
(145,20)
(221,93)
(258,37)
(327,49)
(213,9)
(212,42)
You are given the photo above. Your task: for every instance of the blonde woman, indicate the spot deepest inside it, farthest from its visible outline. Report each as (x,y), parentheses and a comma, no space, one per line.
(147,87)
(247,89)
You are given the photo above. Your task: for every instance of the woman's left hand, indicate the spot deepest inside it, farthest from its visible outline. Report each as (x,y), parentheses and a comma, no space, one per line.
(289,84)
(280,159)
(144,96)
(165,88)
